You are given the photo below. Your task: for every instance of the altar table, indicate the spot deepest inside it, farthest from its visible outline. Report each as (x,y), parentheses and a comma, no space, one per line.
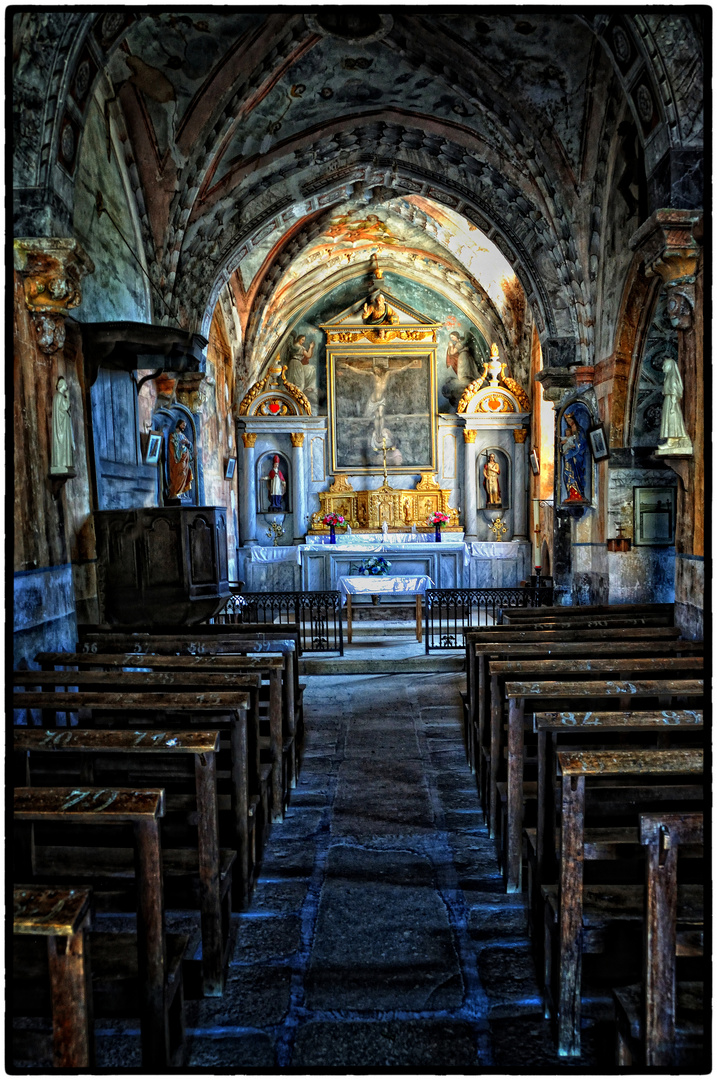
(370,584)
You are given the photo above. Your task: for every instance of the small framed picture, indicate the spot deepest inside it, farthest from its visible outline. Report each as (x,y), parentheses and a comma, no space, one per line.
(534,461)
(231,466)
(654,509)
(154,447)
(598,443)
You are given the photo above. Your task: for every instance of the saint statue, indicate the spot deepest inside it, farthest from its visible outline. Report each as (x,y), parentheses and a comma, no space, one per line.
(376,310)
(63,439)
(573,449)
(180,462)
(277,485)
(300,371)
(491,483)
(673,434)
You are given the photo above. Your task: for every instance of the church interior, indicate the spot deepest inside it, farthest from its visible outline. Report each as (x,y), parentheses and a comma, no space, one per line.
(358,540)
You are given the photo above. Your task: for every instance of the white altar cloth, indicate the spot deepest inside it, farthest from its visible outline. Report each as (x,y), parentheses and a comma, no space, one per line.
(276,554)
(374,541)
(368,584)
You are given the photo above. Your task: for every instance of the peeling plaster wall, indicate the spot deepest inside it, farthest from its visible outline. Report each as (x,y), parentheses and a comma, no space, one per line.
(218,437)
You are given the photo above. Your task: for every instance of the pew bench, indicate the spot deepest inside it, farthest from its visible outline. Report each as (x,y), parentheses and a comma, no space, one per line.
(197,873)
(132,973)
(518,694)
(221,709)
(57,919)
(661,1023)
(577,917)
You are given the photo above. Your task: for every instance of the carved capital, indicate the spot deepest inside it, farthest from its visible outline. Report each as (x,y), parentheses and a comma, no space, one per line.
(189,391)
(520,434)
(469,435)
(51,271)
(555,383)
(249,439)
(297,438)
(668,245)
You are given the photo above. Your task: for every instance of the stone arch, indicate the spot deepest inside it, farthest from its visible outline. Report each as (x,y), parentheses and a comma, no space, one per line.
(633,322)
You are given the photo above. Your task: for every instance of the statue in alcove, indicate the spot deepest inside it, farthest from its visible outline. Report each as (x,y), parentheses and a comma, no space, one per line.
(180,462)
(574,451)
(491,481)
(277,485)
(63,440)
(673,434)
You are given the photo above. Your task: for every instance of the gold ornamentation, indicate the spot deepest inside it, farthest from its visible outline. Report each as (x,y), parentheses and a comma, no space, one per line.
(249,439)
(520,434)
(400,508)
(252,393)
(469,435)
(275,531)
(517,391)
(297,438)
(469,393)
(277,390)
(495,402)
(51,270)
(498,528)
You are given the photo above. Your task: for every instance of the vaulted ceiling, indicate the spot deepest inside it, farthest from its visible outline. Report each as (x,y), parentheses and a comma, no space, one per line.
(255,147)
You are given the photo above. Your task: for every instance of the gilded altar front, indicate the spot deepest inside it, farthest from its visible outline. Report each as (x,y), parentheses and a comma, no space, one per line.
(400,508)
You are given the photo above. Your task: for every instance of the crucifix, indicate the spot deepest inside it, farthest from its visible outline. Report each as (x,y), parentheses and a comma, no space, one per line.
(385,450)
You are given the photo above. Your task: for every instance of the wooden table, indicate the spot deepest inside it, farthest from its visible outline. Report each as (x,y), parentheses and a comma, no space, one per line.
(363,584)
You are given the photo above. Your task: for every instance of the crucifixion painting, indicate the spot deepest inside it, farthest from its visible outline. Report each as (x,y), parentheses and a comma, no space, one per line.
(383,401)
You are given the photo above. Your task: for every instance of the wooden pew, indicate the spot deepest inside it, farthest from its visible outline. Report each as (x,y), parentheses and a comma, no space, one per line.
(622,667)
(157,980)
(591,731)
(574,905)
(61,917)
(213,866)
(526,615)
(480,651)
(662,1019)
(221,708)
(216,640)
(518,693)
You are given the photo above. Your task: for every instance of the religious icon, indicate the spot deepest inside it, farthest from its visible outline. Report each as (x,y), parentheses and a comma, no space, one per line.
(491,482)
(673,434)
(277,485)
(376,310)
(381,371)
(300,371)
(63,439)
(462,366)
(574,456)
(180,462)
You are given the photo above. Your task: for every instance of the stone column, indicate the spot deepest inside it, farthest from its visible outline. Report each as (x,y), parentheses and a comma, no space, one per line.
(670,244)
(247,503)
(520,510)
(297,442)
(469,483)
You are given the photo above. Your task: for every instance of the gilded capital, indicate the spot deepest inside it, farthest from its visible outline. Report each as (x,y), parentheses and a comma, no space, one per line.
(520,434)
(469,435)
(249,439)
(51,270)
(297,438)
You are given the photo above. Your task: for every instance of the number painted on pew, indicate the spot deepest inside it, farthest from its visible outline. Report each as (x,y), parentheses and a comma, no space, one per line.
(620,688)
(89,647)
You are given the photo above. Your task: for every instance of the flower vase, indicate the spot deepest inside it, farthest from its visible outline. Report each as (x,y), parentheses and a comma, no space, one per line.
(438,533)
(332,534)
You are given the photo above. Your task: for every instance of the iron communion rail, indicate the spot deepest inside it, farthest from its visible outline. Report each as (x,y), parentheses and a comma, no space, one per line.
(450,612)
(317,614)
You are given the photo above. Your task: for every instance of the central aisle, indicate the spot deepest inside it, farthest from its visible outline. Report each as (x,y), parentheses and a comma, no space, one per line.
(379,935)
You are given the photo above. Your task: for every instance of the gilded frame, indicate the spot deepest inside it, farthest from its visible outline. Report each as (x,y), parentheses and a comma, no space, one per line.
(383,354)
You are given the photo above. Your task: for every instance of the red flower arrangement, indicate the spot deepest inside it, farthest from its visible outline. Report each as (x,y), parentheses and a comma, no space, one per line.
(438,518)
(333,519)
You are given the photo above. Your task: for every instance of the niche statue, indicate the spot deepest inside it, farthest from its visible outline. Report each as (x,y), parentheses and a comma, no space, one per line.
(491,483)
(180,462)
(673,434)
(63,439)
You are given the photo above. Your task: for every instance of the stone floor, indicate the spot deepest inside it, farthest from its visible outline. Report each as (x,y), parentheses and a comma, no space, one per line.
(379,936)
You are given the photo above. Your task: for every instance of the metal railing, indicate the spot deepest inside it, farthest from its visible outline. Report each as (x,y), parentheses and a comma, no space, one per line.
(317,615)
(450,612)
